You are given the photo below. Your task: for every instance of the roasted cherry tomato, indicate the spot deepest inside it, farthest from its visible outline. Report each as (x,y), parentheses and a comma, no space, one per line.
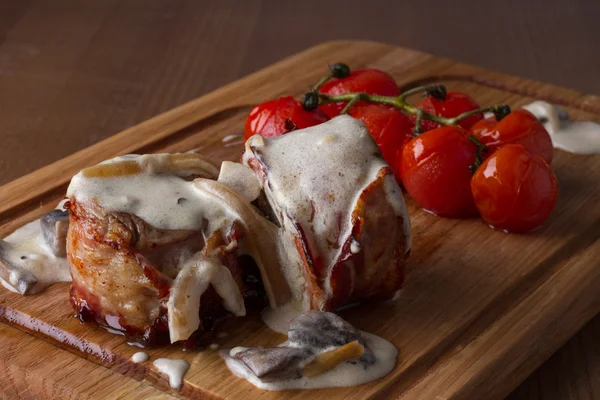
(435,171)
(269,119)
(453,105)
(388,126)
(518,127)
(514,190)
(368,80)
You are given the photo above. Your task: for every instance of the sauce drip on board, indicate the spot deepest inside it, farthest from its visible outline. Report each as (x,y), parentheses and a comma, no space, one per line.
(139,357)
(580,137)
(174,369)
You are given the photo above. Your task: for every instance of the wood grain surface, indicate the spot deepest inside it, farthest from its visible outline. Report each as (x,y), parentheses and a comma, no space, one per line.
(75,72)
(467,325)
(45,371)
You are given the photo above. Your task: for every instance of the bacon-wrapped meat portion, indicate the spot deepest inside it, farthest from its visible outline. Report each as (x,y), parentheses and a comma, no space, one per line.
(344,224)
(142,238)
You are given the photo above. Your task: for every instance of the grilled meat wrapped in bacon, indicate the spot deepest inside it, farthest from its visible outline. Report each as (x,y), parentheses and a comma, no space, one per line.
(344,222)
(125,269)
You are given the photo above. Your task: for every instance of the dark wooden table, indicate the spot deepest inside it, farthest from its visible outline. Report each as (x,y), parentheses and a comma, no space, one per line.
(75,72)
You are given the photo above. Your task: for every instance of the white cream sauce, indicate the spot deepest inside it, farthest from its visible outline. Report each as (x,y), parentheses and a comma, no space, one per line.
(354,246)
(174,369)
(316,175)
(230,138)
(31,260)
(163,200)
(343,375)
(580,137)
(278,319)
(139,357)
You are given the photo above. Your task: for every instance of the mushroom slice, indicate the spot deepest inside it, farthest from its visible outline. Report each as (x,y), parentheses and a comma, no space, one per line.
(240,178)
(55,225)
(317,342)
(261,239)
(191,282)
(324,330)
(273,364)
(182,164)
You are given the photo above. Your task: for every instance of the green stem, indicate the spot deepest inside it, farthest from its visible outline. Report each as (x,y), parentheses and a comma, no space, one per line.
(336,70)
(418,129)
(497,109)
(322,81)
(400,103)
(374,98)
(435,90)
(351,103)
(313,99)
(481,148)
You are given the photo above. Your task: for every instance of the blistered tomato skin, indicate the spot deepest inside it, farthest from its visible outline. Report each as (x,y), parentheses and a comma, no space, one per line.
(453,105)
(518,127)
(269,119)
(367,80)
(389,128)
(435,171)
(514,190)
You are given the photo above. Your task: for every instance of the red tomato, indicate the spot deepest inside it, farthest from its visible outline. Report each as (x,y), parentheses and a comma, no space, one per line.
(514,190)
(453,105)
(435,171)
(388,126)
(367,80)
(269,119)
(518,127)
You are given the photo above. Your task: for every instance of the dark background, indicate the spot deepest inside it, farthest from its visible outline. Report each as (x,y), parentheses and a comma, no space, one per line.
(75,72)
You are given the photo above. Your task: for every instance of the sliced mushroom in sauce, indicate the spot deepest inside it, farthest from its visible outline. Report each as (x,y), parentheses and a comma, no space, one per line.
(55,225)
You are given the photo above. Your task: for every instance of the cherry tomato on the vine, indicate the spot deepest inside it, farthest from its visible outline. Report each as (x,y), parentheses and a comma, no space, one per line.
(269,119)
(518,127)
(454,104)
(434,168)
(367,80)
(514,190)
(388,126)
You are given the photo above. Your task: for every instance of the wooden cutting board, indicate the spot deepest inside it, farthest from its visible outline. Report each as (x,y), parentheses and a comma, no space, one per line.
(480,309)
